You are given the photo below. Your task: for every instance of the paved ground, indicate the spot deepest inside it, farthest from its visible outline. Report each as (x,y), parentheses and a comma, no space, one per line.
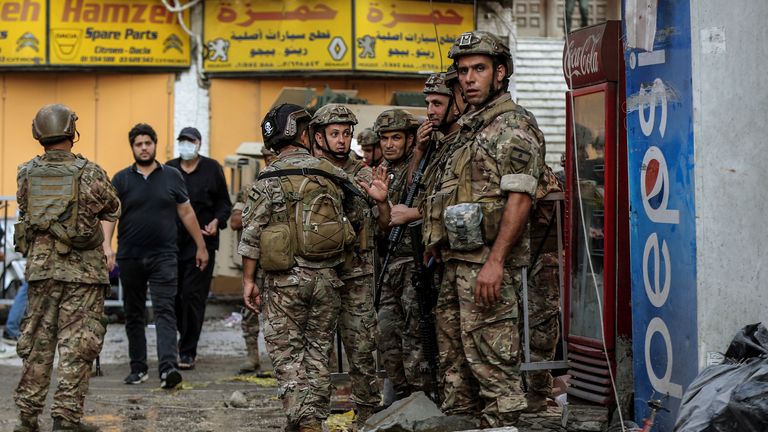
(204,401)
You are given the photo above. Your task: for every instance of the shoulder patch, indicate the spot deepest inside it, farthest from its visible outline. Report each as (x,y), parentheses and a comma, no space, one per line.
(519,157)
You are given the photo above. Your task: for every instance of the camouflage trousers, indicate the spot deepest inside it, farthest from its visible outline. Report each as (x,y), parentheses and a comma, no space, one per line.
(398,330)
(250,327)
(544,327)
(70,316)
(300,309)
(357,326)
(479,347)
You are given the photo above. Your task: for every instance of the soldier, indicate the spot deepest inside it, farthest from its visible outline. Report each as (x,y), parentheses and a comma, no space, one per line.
(445,104)
(479,218)
(369,144)
(399,344)
(543,292)
(62,200)
(331,130)
(295,230)
(250,323)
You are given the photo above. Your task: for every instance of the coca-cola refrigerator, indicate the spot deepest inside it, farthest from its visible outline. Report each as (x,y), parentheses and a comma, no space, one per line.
(597,315)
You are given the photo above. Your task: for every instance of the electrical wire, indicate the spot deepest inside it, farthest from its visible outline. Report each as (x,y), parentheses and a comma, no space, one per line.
(179,11)
(586,235)
(437,37)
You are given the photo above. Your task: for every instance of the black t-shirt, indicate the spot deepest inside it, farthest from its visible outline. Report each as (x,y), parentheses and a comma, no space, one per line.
(209,197)
(147,225)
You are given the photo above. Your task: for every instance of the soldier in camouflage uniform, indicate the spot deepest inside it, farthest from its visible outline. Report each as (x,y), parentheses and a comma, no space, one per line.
(479,218)
(369,144)
(300,292)
(331,130)
(543,291)
(250,323)
(398,335)
(62,198)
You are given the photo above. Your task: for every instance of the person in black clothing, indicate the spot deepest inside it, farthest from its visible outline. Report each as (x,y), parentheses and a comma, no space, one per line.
(209,196)
(152,195)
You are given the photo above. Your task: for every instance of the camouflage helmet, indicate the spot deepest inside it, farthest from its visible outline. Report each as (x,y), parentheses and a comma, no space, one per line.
(332,114)
(395,120)
(280,125)
(451,75)
(436,85)
(54,123)
(482,42)
(367,137)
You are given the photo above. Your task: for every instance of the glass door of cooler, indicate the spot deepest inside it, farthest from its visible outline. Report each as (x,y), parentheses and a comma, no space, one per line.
(590,215)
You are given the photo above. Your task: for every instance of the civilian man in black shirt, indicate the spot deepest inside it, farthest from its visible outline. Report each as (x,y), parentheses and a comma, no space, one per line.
(209,196)
(152,196)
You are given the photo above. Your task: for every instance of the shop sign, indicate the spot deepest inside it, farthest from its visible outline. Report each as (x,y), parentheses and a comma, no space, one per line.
(22,32)
(408,36)
(267,36)
(137,33)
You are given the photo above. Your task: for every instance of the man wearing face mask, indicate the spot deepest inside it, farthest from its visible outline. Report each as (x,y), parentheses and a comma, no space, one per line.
(209,197)
(152,196)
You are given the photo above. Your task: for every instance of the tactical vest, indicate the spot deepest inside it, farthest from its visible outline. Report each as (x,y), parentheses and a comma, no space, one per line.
(52,205)
(310,223)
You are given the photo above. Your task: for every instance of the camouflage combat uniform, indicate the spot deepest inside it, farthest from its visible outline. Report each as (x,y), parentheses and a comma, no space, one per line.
(499,150)
(357,321)
(300,305)
(250,323)
(543,289)
(398,335)
(67,286)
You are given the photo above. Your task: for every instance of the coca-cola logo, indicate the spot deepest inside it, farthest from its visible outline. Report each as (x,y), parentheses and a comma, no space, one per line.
(583,59)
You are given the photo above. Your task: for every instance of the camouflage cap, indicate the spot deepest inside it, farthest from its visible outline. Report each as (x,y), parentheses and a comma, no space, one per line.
(395,120)
(367,138)
(53,123)
(333,114)
(436,85)
(482,42)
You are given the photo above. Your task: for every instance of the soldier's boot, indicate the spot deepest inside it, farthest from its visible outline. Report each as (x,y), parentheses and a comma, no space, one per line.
(314,426)
(251,363)
(535,403)
(61,425)
(27,424)
(363,412)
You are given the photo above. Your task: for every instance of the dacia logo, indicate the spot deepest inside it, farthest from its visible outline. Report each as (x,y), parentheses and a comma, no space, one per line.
(173,42)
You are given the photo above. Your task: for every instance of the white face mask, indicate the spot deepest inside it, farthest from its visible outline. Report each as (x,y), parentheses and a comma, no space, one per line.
(187,150)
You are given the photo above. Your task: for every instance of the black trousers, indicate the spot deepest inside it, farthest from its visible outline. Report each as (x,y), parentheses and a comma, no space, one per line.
(159,273)
(191,297)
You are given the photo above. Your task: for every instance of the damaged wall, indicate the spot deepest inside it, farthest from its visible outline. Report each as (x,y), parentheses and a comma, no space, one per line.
(729,57)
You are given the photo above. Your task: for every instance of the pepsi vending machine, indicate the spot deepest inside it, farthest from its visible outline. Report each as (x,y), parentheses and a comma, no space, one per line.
(597,312)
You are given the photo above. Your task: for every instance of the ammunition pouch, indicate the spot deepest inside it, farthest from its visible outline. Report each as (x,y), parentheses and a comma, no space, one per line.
(21,238)
(277,248)
(463,224)
(493,212)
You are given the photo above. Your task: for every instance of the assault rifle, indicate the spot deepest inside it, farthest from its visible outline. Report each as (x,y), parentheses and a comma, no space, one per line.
(396,234)
(422,279)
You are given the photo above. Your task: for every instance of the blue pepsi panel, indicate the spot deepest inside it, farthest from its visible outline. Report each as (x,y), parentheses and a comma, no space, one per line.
(661,192)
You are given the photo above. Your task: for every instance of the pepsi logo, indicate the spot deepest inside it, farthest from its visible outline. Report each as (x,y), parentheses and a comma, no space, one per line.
(654,188)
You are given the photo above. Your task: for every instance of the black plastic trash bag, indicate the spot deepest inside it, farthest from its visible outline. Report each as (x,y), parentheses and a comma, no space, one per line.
(733,396)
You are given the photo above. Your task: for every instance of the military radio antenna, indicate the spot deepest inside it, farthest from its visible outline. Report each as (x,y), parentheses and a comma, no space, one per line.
(437,36)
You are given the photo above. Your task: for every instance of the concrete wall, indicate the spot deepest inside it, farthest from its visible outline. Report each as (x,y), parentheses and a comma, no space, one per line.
(729,56)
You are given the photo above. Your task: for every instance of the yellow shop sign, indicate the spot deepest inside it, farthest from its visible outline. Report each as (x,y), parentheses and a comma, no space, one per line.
(408,36)
(269,35)
(137,33)
(22,32)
